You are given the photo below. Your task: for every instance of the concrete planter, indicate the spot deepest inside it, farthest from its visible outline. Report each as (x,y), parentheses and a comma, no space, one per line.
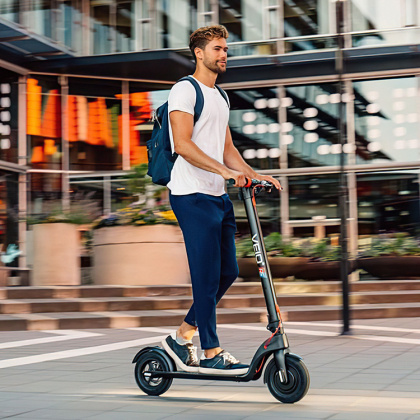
(323,270)
(56,255)
(392,267)
(299,267)
(139,255)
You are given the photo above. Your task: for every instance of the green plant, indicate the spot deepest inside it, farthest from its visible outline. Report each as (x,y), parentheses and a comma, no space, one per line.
(273,243)
(140,185)
(144,211)
(83,210)
(317,250)
(137,215)
(323,251)
(244,248)
(398,245)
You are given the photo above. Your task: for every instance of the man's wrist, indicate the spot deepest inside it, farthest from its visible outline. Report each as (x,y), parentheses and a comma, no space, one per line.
(223,171)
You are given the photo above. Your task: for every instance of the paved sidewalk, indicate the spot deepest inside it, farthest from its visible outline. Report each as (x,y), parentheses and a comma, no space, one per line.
(87,374)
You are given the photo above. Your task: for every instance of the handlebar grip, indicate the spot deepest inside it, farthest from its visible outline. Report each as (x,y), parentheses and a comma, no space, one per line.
(231,182)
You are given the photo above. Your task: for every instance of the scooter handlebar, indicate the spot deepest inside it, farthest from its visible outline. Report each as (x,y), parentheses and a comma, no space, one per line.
(251,183)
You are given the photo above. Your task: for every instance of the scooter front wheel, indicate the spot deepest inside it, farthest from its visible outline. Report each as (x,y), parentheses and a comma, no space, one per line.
(297,384)
(151,362)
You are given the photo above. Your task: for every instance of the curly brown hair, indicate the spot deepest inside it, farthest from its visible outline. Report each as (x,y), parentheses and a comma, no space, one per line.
(202,36)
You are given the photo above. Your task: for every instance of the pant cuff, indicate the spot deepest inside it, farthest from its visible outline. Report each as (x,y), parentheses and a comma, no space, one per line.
(190,322)
(210,346)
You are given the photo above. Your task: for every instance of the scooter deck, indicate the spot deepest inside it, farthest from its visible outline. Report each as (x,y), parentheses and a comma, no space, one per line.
(193,375)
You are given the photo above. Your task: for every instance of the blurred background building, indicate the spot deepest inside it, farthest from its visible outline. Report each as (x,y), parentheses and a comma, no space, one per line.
(79,79)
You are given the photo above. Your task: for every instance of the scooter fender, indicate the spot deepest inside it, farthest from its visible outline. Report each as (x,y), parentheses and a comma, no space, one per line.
(156,349)
(263,353)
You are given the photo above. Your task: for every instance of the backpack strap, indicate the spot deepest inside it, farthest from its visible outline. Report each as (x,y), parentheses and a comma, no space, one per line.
(199,98)
(223,93)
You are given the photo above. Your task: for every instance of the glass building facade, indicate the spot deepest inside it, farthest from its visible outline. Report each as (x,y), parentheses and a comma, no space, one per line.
(65,134)
(105,26)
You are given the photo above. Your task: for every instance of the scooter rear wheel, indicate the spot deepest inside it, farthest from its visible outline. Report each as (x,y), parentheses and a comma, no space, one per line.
(152,362)
(298,380)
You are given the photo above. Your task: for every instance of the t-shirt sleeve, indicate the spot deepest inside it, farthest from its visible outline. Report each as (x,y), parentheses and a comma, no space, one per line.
(182,98)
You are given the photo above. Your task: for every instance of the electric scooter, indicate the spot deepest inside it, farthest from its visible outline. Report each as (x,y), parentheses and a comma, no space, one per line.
(285,373)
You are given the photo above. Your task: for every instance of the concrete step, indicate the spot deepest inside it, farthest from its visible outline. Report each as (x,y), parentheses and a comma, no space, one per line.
(130,319)
(93,291)
(26,306)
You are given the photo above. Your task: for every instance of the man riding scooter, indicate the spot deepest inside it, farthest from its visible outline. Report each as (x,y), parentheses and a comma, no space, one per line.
(206,158)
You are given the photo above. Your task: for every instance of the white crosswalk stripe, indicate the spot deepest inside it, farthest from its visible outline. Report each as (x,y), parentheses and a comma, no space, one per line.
(64,335)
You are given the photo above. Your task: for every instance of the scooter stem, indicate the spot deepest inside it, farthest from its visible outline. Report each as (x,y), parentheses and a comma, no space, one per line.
(274,320)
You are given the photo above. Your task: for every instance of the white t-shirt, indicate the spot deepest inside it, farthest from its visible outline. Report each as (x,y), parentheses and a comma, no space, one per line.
(209,135)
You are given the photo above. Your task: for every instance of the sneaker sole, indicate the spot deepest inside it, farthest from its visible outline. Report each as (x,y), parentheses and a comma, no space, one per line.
(177,360)
(227,372)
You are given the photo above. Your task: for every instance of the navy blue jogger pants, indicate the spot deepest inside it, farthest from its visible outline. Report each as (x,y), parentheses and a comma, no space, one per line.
(208,225)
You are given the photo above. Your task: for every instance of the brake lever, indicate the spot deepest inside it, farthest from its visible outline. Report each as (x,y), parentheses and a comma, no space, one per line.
(257,190)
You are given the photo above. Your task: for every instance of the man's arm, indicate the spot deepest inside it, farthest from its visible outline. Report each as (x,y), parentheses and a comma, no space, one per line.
(182,125)
(233,160)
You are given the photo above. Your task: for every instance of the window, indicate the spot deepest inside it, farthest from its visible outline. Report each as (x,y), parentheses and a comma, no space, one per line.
(382,15)
(124,26)
(254,126)
(310,198)
(243,19)
(141,105)
(9,9)
(44,130)
(311,131)
(9,119)
(176,20)
(112,26)
(387,120)
(305,18)
(40,17)
(94,125)
(9,212)
(388,202)
(70,31)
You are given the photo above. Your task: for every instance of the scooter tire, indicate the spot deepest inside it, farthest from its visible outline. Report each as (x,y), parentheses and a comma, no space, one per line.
(298,380)
(152,361)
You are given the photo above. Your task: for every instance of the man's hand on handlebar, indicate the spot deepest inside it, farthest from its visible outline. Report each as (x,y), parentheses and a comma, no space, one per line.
(269,178)
(239,177)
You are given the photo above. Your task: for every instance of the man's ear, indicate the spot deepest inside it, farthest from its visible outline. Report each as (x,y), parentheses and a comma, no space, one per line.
(198,53)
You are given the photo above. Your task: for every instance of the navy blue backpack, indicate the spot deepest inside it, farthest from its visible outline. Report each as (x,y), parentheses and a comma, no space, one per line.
(159,151)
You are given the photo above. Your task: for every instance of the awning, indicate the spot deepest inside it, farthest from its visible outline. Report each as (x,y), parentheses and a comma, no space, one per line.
(19,46)
(154,66)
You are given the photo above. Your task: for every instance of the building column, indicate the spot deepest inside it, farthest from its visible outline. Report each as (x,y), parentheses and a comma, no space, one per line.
(65,183)
(86,31)
(125,125)
(284,180)
(22,177)
(351,176)
(284,208)
(281,48)
(353,229)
